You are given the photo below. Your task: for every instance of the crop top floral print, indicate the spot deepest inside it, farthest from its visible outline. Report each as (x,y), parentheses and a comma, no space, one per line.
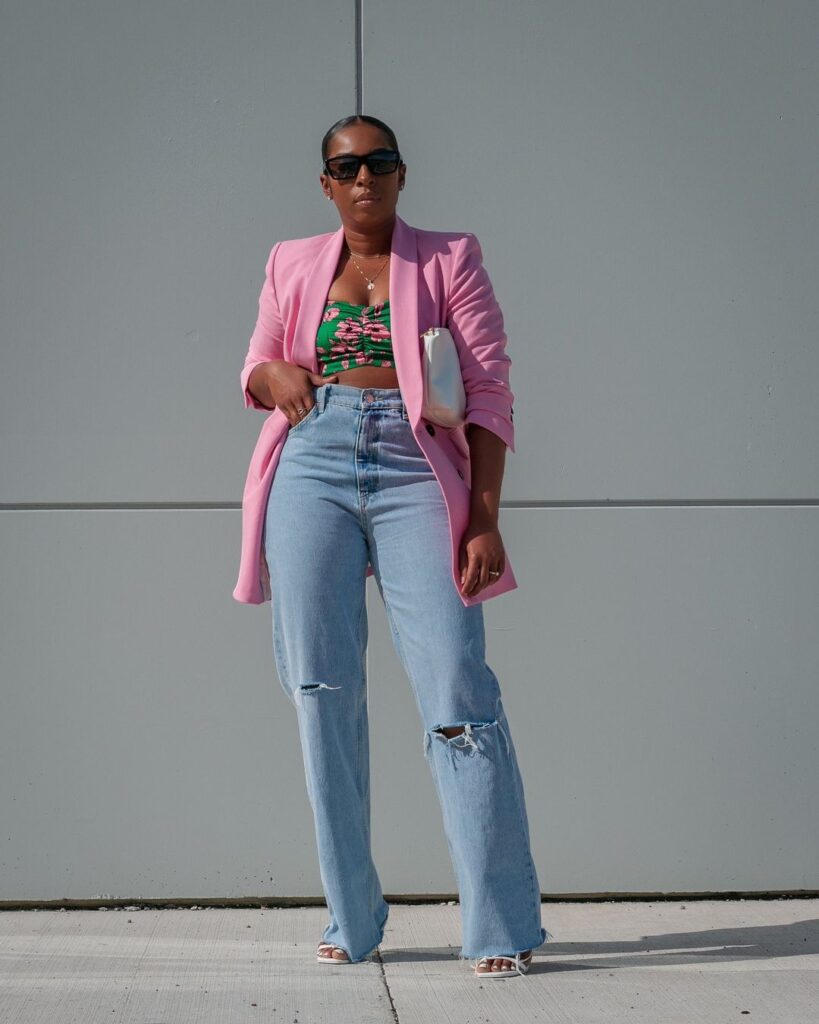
(351,335)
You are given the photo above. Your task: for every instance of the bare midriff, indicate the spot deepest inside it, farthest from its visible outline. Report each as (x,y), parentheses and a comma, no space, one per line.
(369,377)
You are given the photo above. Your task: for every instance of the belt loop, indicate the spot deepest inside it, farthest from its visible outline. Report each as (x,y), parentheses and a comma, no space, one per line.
(321,397)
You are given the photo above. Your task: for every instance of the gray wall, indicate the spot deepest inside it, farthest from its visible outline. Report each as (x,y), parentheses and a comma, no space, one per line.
(642,180)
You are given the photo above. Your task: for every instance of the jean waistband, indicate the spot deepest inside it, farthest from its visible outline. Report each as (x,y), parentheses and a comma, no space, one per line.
(359,398)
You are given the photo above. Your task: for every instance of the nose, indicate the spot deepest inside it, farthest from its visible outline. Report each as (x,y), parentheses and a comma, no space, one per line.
(365,175)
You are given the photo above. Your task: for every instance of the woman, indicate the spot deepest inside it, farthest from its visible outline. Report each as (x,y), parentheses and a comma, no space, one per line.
(348,481)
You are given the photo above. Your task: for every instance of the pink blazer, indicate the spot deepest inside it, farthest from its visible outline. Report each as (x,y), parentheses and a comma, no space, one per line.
(437,278)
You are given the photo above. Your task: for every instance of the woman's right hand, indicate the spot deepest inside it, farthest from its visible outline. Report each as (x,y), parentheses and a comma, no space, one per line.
(291,387)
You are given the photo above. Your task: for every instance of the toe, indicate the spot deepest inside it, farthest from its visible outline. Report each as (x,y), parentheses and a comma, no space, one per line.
(503,963)
(332,953)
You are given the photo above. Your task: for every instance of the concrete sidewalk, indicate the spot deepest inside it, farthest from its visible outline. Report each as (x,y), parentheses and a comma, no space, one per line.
(659,963)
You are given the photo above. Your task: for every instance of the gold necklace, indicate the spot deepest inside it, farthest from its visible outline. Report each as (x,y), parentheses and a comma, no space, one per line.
(364,255)
(370,280)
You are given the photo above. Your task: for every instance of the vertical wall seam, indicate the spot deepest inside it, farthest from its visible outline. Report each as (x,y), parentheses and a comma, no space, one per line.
(359,56)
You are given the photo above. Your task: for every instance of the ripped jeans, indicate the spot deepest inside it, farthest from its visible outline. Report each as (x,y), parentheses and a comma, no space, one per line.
(352,485)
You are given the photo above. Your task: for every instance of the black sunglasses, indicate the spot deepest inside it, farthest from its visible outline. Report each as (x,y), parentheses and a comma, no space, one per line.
(380,161)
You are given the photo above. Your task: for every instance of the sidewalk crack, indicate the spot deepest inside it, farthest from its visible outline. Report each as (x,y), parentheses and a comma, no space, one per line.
(386,986)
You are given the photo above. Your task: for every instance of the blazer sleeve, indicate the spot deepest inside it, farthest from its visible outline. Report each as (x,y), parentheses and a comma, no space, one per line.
(475,321)
(267,340)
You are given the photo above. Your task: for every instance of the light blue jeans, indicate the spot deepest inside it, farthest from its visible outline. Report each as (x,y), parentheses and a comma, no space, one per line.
(352,485)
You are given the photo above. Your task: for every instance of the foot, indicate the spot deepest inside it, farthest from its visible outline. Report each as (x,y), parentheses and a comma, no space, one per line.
(491,965)
(326,951)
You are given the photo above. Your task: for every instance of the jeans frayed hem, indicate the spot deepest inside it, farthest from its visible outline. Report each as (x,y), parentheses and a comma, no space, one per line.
(366,957)
(544,937)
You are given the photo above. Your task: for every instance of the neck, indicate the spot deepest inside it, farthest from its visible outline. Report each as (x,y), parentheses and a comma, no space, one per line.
(370,243)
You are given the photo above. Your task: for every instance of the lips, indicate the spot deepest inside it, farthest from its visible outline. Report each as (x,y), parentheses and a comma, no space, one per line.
(367,199)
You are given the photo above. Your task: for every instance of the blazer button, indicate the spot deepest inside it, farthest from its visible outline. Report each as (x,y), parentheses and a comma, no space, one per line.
(430,428)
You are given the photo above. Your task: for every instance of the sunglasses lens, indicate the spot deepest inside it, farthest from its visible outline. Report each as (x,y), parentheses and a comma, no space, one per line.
(342,168)
(384,162)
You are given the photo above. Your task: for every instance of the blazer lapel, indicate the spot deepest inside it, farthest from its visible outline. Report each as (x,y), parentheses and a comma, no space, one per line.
(313,297)
(403,295)
(406,344)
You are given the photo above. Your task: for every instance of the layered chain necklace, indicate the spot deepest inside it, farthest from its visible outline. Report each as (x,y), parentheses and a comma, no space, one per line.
(370,280)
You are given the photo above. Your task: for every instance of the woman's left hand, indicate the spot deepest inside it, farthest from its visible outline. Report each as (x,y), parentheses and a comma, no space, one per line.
(481,551)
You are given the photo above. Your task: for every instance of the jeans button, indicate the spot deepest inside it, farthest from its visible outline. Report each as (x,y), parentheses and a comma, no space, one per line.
(369,398)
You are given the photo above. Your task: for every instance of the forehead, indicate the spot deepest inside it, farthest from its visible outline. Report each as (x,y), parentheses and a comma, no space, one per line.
(358,138)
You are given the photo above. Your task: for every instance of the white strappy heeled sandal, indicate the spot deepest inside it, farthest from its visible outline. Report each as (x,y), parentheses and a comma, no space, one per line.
(329,958)
(333,960)
(522,962)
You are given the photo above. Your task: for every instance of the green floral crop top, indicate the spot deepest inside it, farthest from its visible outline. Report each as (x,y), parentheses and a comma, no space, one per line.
(351,335)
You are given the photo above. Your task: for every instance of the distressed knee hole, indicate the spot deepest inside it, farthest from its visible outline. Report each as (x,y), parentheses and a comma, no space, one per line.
(460,737)
(309,688)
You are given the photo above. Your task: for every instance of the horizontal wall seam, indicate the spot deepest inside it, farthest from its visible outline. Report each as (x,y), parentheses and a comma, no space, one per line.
(231,506)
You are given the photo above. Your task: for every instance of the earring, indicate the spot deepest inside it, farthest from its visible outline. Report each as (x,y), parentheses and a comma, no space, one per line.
(329,195)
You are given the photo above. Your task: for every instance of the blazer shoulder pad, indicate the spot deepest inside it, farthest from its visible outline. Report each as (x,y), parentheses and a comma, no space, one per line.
(308,243)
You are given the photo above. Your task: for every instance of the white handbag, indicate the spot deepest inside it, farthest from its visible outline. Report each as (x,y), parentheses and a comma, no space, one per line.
(444,395)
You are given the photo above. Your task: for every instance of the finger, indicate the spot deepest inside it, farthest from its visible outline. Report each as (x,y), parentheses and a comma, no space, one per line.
(463,562)
(481,576)
(299,410)
(470,577)
(473,577)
